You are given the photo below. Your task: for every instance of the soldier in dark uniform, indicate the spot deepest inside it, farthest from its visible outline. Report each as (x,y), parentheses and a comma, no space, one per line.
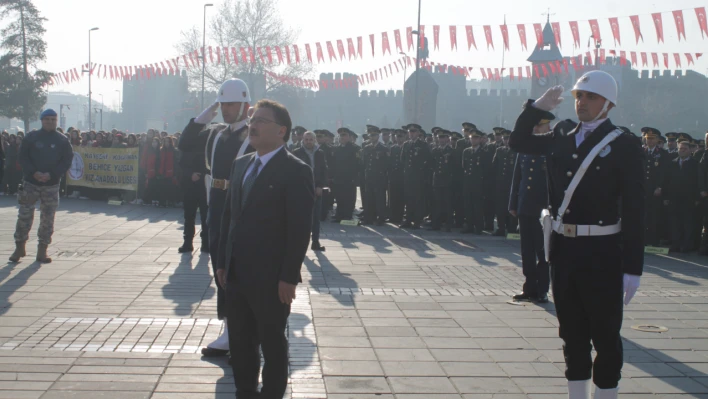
(529,196)
(503,169)
(194,190)
(416,160)
(596,260)
(362,176)
(323,140)
(376,161)
(443,164)
(703,206)
(698,221)
(386,137)
(458,202)
(683,194)
(395,178)
(346,167)
(698,154)
(221,144)
(475,164)
(655,164)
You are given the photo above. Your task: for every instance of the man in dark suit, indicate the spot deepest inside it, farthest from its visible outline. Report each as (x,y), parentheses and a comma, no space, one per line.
(194,191)
(683,193)
(312,154)
(345,174)
(656,163)
(597,238)
(265,231)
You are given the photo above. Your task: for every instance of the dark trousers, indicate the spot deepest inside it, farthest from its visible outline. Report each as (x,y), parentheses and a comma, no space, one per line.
(652,218)
(217,200)
(327,203)
(415,199)
(532,257)
(683,224)
(489,209)
(255,323)
(474,202)
(501,207)
(458,203)
(345,193)
(194,194)
(587,290)
(316,219)
(442,207)
(396,196)
(375,202)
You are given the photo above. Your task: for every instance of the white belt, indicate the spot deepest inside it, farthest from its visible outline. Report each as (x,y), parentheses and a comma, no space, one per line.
(585,230)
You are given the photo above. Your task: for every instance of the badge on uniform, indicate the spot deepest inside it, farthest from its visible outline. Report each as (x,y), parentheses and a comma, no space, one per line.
(605,151)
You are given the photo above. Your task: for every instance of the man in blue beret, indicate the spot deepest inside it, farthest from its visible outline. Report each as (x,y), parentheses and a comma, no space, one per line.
(45,156)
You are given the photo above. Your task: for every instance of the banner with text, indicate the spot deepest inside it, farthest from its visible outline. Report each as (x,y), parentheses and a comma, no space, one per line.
(115,168)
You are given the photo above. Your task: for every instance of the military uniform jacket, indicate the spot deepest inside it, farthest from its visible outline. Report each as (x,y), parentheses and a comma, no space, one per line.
(613,181)
(673,154)
(474,166)
(443,166)
(395,169)
(416,158)
(683,181)
(196,138)
(376,164)
(503,167)
(328,151)
(529,191)
(346,164)
(656,163)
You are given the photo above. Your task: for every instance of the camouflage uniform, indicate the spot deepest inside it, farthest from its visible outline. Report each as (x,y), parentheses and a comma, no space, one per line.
(48,197)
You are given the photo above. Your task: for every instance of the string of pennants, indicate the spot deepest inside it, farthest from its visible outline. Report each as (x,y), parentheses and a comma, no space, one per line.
(577,62)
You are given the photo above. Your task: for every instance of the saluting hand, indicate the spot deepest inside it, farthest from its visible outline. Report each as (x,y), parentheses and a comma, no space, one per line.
(286,292)
(550,99)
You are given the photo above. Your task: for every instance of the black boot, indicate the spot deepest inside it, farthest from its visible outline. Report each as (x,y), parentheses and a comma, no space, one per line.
(186,247)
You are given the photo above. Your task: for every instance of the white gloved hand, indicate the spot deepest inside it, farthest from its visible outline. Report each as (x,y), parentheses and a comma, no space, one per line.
(630,285)
(208,114)
(550,99)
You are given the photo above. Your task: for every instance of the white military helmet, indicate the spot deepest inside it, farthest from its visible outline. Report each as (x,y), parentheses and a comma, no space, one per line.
(234,91)
(598,82)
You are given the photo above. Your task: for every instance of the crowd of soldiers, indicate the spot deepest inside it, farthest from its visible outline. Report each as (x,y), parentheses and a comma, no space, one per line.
(407,176)
(447,179)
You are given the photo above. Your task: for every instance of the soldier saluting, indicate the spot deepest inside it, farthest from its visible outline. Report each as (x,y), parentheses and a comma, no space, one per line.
(221,143)
(596,246)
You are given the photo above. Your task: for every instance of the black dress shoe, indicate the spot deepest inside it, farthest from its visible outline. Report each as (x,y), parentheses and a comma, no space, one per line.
(467,231)
(317,247)
(542,299)
(213,352)
(499,233)
(186,247)
(523,297)
(405,225)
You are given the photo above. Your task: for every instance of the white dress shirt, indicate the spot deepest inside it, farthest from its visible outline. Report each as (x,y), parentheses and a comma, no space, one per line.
(264,160)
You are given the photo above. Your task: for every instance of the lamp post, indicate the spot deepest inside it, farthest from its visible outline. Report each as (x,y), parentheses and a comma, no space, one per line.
(101,127)
(89,76)
(405,67)
(204,51)
(417,66)
(120,102)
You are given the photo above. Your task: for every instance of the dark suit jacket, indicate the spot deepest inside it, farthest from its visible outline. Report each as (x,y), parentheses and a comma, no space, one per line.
(683,182)
(529,192)
(265,241)
(612,187)
(319,170)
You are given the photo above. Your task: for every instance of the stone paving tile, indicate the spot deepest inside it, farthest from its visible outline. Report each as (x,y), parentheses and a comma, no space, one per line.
(383,313)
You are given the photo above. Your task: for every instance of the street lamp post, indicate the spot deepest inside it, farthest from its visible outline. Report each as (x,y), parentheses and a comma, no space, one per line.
(417,66)
(101,111)
(90,126)
(120,102)
(405,67)
(204,51)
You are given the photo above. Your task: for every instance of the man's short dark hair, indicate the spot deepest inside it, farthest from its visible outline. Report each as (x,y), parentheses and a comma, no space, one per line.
(281,114)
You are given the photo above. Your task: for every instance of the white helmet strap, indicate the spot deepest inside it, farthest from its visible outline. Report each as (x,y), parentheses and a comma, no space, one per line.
(240,112)
(602,112)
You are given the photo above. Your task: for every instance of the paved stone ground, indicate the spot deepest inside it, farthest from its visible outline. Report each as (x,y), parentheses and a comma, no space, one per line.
(382,314)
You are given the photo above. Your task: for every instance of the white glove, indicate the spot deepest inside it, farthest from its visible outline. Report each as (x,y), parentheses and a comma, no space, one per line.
(630,285)
(208,114)
(550,99)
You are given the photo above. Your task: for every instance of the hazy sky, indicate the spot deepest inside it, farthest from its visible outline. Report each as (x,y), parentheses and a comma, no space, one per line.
(145,31)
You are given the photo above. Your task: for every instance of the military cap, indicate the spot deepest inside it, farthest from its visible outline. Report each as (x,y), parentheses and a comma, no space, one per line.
(701,143)
(299,130)
(469,125)
(506,132)
(694,143)
(651,132)
(456,135)
(353,134)
(498,130)
(385,130)
(372,129)
(343,130)
(477,133)
(684,137)
(442,133)
(414,126)
(435,129)
(328,133)
(400,132)
(662,139)
(672,136)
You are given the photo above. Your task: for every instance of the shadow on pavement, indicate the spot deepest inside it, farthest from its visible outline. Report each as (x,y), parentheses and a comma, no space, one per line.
(189,284)
(10,286)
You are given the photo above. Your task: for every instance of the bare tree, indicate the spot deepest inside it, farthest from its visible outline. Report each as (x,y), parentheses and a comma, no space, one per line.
(250,24)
